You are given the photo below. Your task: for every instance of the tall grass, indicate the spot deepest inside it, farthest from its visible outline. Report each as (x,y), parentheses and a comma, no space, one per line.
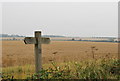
(93,69)
(102,68)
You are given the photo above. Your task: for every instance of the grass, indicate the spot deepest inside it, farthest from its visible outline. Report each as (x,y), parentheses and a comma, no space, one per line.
(96,63)
(93,69)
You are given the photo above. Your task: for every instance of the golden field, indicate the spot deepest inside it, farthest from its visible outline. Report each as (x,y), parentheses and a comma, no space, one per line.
(15,53)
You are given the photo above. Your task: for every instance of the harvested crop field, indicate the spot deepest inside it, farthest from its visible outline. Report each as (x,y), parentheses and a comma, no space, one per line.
(17,53)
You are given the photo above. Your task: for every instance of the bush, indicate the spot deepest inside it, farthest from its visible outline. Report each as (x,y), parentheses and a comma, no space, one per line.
(96,69)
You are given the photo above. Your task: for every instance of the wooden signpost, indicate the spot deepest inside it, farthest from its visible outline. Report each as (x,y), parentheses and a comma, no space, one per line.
(37,41)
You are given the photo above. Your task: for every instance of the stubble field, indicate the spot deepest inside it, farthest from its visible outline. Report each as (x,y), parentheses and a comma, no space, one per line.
(15,53)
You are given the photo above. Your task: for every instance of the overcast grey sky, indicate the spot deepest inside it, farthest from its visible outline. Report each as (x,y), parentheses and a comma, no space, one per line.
(83,19)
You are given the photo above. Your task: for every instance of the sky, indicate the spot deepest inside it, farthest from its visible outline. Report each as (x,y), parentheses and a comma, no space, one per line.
(81,19)
(59,0)
(0,18)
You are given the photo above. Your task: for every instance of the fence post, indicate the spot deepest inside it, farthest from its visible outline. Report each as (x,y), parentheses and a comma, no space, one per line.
(38,54)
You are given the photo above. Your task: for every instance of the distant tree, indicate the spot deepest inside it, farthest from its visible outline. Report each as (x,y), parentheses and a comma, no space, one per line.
(14,38)
(6,35)
(73,39)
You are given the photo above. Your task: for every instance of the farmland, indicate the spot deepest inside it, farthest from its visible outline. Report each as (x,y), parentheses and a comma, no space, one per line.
(16,53)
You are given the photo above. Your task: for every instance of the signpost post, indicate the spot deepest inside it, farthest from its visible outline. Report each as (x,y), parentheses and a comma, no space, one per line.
(37,41)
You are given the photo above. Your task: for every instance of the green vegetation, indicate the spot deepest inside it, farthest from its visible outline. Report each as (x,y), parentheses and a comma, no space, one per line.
(94,69)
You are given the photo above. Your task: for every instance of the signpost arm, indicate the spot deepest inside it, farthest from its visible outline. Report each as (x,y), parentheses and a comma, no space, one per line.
(37,40)
(38,54)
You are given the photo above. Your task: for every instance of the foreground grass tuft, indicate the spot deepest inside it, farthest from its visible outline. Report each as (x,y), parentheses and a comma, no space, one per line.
(94,69)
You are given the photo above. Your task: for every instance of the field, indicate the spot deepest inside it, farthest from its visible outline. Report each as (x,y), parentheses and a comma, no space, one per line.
(16,53)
